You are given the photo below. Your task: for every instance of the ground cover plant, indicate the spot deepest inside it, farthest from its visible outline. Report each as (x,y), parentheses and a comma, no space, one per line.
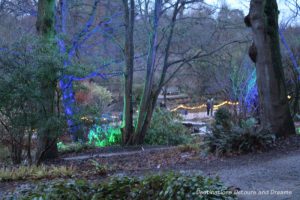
(160,187)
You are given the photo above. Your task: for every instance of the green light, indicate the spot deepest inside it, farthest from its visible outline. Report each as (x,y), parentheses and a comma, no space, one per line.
(61,145)
(102,137)
(298,130)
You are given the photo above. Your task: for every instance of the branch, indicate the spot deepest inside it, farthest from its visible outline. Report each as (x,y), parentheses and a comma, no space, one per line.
(200,55)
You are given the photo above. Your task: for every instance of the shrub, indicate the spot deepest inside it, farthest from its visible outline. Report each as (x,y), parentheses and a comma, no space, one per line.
(159,187)
(166,130)
(99,168)
(28,64)
(228,138)
(223,118)
(92,98)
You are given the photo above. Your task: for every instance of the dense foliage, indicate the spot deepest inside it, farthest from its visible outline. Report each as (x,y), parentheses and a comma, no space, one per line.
(92,99)
(26,65)
(159,187)
(228,137)
(165,129)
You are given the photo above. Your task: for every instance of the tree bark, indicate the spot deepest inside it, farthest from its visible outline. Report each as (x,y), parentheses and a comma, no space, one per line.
(151,91)
(127,124)
(275,113)
(47,147)
(146,107)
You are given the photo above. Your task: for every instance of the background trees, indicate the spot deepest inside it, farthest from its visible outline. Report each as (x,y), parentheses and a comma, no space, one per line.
(134,49)
(168,52)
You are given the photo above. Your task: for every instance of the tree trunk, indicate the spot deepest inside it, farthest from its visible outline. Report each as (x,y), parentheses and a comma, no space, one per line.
(165,90)
(275,113)
(17,146)
(127,124)
(151,92)
(146,106)
(29,139)
(47,147)
(140,136)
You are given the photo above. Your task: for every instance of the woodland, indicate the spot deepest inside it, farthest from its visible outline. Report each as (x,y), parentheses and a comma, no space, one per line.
(149,99)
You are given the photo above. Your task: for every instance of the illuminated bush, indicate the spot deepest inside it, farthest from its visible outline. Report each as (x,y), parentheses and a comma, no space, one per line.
(102,137)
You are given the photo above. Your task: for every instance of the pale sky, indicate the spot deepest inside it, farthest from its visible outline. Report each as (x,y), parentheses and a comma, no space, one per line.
(244,5)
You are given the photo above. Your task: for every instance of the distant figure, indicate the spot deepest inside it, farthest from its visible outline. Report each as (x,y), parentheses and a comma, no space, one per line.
(162,104)
(208,106)
(186,112)
(212,107)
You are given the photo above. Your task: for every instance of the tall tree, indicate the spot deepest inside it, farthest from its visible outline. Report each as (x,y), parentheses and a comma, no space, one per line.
(148,100)
(265,52)
(129,18)
(47,147)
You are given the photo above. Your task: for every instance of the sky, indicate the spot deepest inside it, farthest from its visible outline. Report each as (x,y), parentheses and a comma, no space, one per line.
(244,5)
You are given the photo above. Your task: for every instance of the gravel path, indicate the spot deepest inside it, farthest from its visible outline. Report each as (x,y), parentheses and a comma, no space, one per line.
(105,155)
(261,176)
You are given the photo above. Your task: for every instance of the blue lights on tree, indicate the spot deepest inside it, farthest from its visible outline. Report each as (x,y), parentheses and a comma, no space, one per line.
(291,55)
(251,94)
(66,82)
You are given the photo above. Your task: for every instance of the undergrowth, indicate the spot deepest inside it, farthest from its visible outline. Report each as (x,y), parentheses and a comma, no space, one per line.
(228,137)
(171,186)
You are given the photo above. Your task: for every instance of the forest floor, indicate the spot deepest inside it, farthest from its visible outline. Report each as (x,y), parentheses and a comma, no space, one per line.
(274,171)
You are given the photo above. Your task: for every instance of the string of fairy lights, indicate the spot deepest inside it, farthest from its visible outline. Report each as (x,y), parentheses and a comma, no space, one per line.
(230,103)
(204,105)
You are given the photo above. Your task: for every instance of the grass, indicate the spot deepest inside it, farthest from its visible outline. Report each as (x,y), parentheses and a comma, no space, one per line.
(73,147)
(35,172)
(195,147)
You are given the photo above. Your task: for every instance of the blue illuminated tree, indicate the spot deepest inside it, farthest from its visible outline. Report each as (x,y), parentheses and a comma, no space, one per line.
(90,28)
